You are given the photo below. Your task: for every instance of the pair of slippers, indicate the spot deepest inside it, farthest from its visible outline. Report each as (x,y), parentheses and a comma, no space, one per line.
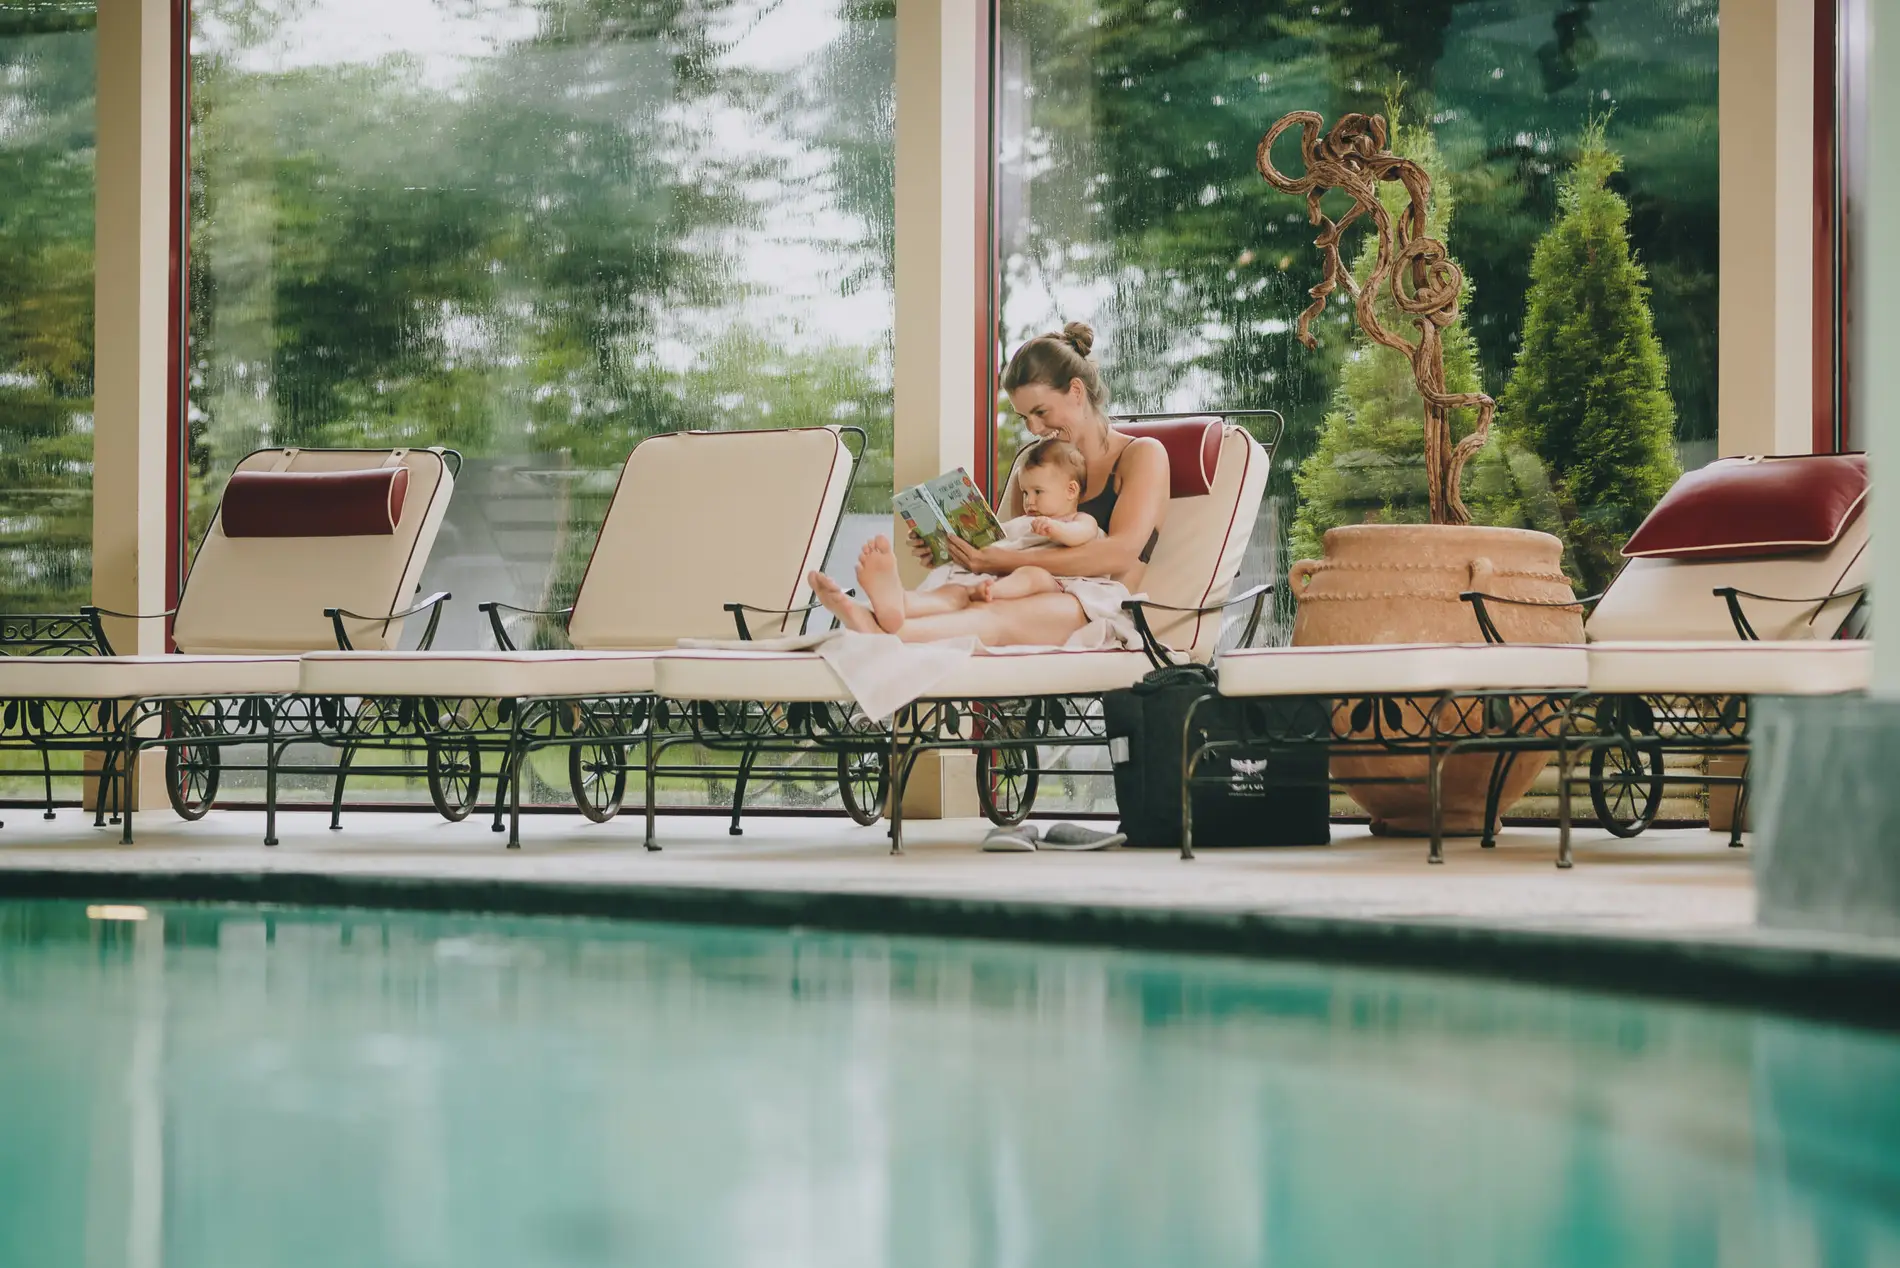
(1024,838)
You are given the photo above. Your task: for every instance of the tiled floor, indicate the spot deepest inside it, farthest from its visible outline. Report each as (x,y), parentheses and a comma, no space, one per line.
(1666,883)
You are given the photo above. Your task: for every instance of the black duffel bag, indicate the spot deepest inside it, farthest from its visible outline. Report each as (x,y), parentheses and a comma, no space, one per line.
(1264,795)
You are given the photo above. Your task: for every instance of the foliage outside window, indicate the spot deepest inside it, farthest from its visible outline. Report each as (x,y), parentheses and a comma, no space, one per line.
(1129,199)
(538,231)
(47,74)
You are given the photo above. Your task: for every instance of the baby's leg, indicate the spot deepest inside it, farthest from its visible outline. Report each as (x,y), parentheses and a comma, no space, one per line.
(1022,583)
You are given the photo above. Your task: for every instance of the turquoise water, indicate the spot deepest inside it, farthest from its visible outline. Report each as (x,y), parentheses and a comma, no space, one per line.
(227,1086)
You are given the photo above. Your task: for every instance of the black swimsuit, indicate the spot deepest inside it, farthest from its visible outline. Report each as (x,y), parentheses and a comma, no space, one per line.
(1102,507)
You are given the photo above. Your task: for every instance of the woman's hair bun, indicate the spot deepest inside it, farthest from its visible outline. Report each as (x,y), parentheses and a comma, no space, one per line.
(1080,336)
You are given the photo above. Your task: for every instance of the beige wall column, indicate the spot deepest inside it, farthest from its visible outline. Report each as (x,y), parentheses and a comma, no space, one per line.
(1765,390)
(942,139)
(132,354)
(942,133)
(132,334)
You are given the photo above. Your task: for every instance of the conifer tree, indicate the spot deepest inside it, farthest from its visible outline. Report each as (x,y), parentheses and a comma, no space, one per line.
(1589,394)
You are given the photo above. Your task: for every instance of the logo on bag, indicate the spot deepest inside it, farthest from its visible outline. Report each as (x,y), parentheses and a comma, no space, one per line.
(1247,778)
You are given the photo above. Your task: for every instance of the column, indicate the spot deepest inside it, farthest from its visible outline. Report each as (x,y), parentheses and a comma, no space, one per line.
(942,241)
(132,337)
(1766,124)
(1826,805)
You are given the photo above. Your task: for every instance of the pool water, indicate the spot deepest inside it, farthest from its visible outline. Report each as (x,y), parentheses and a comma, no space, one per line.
(247,1087)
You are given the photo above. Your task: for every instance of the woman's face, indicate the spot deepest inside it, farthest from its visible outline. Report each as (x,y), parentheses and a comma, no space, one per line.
(1064,415)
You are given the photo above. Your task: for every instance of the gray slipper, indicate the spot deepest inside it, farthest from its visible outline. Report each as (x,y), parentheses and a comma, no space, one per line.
(1070,836)
(1020,839)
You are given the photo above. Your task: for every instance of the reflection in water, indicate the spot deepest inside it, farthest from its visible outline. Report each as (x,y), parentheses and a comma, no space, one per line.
(270,1087)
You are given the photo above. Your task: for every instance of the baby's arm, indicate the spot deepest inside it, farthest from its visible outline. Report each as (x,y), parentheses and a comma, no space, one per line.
(1076,532)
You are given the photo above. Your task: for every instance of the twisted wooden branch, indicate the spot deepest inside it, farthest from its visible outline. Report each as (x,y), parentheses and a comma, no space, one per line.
(1424,281)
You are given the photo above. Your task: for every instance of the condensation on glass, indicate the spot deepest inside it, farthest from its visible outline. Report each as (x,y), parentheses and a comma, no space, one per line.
(47,127)
(47,75)
(537,232)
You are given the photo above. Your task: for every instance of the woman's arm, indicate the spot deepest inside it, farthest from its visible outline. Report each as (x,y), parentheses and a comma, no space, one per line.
(1139,511)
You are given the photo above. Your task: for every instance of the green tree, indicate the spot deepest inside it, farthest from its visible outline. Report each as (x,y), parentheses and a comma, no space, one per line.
(1590,393)
(1368,466)
(47,76)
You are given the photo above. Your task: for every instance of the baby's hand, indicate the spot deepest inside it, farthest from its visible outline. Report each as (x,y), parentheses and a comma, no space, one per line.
(1042,526)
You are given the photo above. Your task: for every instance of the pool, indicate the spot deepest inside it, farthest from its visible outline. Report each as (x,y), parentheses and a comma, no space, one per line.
(241,1086)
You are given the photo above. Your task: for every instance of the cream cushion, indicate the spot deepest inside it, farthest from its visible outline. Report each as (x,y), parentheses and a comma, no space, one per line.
(267,594)
(1804,667)
(1421,667)
(1670,599)
(480,675)
(804,676)
(131,677)
(702,519)
(1202,543)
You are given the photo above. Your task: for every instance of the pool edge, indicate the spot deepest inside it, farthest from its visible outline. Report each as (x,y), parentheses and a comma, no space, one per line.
(1846,982)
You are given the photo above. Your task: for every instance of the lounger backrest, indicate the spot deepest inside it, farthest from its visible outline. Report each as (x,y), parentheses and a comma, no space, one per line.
(702,519)
(1670,599)
(291,547)
(1206,533)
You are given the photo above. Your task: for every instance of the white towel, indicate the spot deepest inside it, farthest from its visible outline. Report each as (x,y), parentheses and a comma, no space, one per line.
(881,671)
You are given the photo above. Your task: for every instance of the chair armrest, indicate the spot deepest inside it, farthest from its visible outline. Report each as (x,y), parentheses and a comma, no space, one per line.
(1160,653)
(739,610)
(92,612)
(1478,599)
(432,605)
(494,609)
(1745,631)
(93,609)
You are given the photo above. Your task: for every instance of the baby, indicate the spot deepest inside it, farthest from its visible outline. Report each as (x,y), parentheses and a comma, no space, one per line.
(1050,481)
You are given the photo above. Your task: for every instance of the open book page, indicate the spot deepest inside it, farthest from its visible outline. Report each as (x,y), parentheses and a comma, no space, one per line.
(965,509)
(919,510)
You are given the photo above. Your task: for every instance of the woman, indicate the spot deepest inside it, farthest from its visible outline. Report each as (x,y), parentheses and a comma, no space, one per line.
(1053,383)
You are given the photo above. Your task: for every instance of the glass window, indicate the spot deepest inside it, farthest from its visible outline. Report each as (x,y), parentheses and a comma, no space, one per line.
(47,76)
(1128,197)
(46,154)
(537,231)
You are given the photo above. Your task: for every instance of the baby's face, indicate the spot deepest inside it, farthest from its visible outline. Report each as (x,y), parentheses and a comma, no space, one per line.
(1047,491)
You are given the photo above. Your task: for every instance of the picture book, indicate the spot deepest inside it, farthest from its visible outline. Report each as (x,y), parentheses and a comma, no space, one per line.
(951,503)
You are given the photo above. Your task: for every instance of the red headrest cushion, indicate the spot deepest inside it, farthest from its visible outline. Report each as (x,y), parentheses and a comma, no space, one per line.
(1743,508)
(1193,446)
(361,503)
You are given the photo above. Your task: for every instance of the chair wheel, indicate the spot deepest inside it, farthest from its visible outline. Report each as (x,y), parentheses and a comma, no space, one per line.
(455,775)
(864,783)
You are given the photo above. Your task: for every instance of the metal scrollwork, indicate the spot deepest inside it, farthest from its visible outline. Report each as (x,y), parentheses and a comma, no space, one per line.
(1424,282)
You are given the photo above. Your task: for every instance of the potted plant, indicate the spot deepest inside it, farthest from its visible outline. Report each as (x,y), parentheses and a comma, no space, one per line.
(1400,583)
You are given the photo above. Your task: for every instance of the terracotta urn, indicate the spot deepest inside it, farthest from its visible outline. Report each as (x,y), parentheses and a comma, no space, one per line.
(1399,583)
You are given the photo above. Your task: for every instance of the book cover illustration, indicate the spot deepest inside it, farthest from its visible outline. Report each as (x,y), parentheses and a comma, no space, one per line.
(951,503)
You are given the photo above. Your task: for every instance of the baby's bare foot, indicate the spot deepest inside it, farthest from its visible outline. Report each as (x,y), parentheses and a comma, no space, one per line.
(980,592)
(877,577)
(853,616)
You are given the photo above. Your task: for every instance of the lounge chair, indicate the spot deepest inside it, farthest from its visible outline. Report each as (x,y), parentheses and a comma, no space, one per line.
(1673,655)
(1727,593)
(696,518)
(1005,706)
(309,548)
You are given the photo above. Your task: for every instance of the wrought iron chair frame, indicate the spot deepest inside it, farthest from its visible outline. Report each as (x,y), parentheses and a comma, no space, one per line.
(1645,728)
